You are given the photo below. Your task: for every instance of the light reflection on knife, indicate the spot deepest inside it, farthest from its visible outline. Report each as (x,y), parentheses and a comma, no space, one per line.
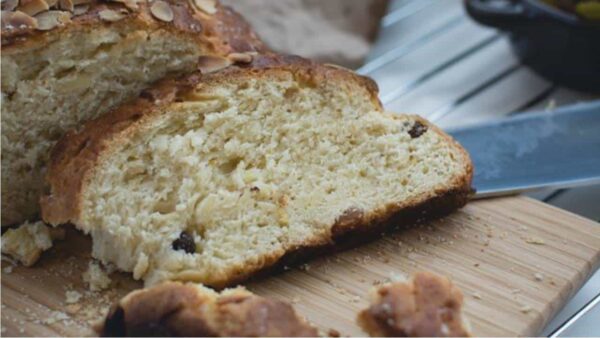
(557,149)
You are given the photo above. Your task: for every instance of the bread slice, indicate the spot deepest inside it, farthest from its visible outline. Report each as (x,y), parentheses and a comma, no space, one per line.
(64,64)
(428,305)
(189,310)
(213,178)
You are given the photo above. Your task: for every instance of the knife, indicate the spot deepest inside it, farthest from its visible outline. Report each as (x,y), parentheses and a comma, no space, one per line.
(548,149)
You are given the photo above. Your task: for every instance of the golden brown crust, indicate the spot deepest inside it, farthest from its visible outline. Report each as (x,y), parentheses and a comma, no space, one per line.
(427,306)
(226,30)
(184,310)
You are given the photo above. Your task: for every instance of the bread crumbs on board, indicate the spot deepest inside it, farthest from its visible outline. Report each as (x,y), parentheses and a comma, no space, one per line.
(72,297)
(535,241)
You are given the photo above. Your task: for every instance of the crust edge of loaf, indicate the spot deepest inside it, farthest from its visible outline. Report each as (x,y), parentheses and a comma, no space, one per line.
(235,30)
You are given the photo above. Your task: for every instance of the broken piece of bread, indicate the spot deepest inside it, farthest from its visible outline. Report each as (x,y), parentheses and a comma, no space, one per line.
(64,62)
(95,277)
(27,242)
(190,310)
(426,306)
(213,178)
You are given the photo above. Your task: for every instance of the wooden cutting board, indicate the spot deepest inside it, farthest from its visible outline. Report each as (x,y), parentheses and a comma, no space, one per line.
(517,261)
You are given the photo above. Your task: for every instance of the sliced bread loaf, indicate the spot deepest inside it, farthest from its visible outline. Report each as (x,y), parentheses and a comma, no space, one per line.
(190,310)
(212,178)
(64,64)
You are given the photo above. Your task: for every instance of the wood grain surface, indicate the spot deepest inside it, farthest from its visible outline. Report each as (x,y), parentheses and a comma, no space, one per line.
(517,261)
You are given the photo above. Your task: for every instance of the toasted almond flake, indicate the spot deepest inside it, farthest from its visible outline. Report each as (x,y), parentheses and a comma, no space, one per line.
(111,15)
(211,64)
(207,6)
(33,7)
(240,57)
(131,4)
(51,3)
(66,5)
(52,19)
(162,11)
(80,9)
(9,5)
(17,20)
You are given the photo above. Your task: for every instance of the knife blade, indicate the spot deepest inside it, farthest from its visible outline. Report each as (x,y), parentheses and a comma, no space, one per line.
(548,149)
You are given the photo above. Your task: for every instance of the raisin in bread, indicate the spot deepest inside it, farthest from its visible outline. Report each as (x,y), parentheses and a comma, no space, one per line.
(212,178)
(64,62)
(427,306)
(188,310)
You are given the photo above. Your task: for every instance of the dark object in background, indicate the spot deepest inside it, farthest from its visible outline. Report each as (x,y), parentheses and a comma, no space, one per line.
(557,44)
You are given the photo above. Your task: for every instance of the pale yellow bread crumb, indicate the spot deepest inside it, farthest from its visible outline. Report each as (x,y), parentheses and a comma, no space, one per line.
(96,278)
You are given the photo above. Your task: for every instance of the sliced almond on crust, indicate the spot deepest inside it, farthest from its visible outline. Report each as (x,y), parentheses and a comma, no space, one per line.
(131,4)
(80,9)
(207,6)
(51,3)
(241,57)
(67,5)
(51,19)
(210,64)
(9,5)
(33,7)
(111,15)
(17,20)
(162,11)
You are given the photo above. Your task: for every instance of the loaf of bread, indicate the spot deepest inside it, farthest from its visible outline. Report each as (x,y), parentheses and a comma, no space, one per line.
(190,310)
(212,178)
(427,306)
(64,62)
